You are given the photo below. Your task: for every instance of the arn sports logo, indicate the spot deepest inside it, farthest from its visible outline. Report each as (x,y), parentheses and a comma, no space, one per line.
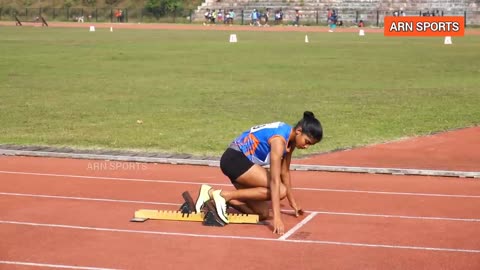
(424,26)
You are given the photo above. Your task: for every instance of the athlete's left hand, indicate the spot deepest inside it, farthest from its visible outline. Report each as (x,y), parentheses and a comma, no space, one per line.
(298,211)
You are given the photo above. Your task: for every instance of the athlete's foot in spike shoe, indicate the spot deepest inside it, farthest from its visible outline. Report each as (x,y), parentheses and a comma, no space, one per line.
(220,205)
(203,197)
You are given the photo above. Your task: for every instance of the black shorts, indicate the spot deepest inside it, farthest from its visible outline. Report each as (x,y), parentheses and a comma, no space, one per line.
(234,163)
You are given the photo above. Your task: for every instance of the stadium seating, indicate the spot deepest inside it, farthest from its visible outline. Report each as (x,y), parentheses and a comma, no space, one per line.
(315,11)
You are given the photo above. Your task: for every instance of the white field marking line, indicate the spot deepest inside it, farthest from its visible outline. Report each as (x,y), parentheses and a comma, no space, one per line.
(55,265)
(283,210)
(236,237)
(84,198)
(297,227)
(229,185)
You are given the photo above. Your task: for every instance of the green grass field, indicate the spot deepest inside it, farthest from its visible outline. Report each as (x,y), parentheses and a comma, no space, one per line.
(195,92)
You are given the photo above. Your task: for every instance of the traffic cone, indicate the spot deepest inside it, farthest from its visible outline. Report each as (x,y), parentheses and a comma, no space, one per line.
(448,40)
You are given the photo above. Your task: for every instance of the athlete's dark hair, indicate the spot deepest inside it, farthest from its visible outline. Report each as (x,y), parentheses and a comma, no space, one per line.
(311,126)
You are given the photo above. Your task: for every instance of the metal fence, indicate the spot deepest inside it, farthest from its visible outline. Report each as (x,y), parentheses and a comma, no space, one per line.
(308,17)
(350,17)
(94,15)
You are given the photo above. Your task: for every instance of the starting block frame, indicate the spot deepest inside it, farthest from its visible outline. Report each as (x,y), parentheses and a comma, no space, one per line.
(208,217)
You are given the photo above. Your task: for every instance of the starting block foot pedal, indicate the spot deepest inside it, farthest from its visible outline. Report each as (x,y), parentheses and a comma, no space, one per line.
(211,216)
(188,206)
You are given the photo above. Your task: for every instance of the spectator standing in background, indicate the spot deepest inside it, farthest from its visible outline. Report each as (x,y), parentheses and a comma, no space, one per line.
(333,21)
(254,17)
(297,17)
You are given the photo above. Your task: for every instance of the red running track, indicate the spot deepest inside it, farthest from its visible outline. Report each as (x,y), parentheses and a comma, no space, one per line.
(457,150)
(75,214)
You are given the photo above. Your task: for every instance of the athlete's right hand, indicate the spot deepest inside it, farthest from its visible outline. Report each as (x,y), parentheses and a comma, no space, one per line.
(278,226)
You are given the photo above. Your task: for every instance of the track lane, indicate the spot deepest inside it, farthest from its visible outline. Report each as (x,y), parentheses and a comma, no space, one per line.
(146,251)
(203,174)
(323,227)
(313,200)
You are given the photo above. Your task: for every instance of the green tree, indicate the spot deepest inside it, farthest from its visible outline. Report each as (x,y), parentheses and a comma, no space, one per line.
(91,3)
(111,2)
(163,7)
(172,5)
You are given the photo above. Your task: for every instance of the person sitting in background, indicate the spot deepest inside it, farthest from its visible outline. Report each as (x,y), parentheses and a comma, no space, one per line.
(214,16)
(208,17)
(231,16)
(266,16)
(278,16)
(220,16)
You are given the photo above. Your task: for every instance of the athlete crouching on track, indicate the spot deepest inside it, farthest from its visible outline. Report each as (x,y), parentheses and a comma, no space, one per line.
(243,160)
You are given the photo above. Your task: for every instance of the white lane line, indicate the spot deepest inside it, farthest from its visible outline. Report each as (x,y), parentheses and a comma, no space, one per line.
(114,178)
(283,210)
(55,265)
(398,216)
(84,198)
(383,246)
(237,237)
(298,226)
(229,185)
(390,193)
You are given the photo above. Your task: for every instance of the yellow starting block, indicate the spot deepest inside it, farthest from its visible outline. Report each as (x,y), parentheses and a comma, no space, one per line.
(187,213)
(179,216)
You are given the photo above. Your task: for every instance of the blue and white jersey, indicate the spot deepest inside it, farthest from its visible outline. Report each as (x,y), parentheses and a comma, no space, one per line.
(255,143)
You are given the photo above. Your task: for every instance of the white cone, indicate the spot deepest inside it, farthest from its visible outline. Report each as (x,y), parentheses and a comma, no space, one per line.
(306,39)
(233,38)
(361,32)
(92,28)
(448,40)
(111,29)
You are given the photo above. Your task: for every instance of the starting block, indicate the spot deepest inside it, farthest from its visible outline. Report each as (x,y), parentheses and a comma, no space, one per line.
(208,217)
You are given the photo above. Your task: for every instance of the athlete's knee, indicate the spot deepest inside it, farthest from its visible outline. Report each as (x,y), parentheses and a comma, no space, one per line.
(263,214)
(283,192)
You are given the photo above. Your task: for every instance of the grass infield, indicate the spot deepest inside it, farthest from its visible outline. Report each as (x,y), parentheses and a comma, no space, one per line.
(194,91)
